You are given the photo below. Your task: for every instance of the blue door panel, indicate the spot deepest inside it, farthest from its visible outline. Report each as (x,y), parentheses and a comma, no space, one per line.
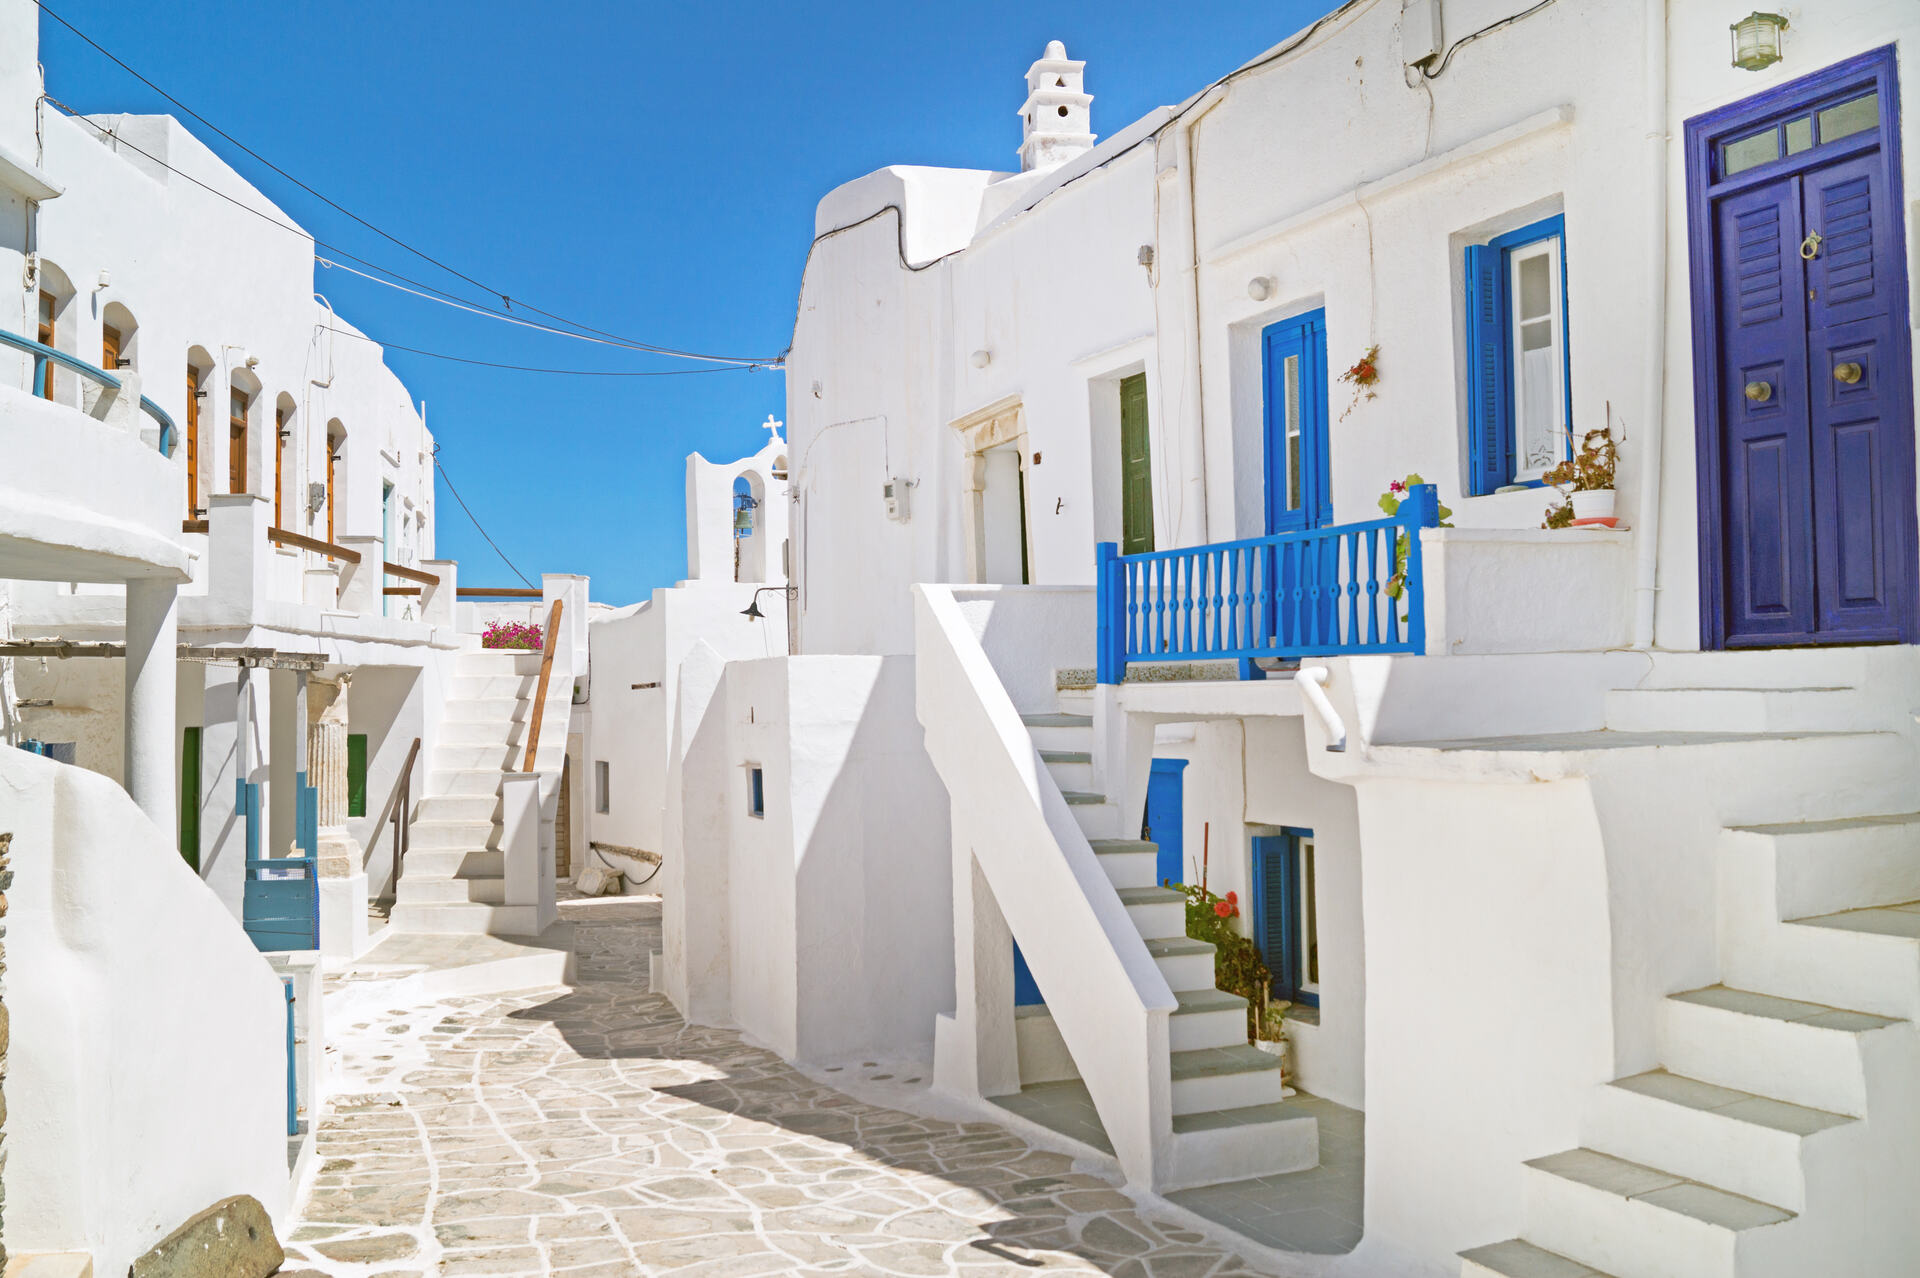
(1803,363)
(1165,819)
(1026,991)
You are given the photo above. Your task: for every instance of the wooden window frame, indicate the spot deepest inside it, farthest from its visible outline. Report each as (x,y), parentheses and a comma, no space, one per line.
(280,433)
(238,445)
(193,441)
(47,320)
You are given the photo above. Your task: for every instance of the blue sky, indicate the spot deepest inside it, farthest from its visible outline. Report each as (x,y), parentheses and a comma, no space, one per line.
(647,169)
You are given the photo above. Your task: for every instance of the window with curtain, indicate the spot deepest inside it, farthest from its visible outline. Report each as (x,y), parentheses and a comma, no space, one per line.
(1519,404)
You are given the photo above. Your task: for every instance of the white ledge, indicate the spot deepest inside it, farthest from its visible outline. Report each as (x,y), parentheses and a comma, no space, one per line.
(26,178)
(1540,122)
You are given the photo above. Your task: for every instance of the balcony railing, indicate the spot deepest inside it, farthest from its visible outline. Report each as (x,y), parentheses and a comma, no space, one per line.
(1334,591)
(45,357)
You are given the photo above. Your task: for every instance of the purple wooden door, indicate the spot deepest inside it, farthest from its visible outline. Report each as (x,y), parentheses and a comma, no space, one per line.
(1807,445)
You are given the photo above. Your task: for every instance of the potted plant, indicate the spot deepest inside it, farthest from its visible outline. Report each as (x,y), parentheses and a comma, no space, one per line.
(1585,482)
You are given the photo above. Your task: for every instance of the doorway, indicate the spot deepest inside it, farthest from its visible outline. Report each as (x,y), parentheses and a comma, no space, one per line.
(1165,821)
(1802,364)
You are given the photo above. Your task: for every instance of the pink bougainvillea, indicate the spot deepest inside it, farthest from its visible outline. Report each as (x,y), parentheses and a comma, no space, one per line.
(524,636)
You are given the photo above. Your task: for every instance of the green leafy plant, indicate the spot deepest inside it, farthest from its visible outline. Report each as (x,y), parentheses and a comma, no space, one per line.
(1590,469)
(1390,502)
(1237,965)
(1363,377)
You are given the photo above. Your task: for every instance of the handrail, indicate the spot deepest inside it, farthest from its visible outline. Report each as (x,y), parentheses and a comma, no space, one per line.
(548,642)
(1313,686)
(409,574)
(44,355)
(403,799)
(1298,594)
(498,592)
(400,590)
(287,537)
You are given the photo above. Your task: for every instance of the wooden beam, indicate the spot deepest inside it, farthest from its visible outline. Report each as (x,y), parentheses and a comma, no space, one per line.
(548,642)
(266,658)
(286,537)
(193,525)
(399,590)
(410,574)
(498,592)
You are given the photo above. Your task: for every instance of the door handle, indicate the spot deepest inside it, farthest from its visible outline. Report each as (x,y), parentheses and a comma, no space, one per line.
(1810,247)
(1849,373)
(1759,392)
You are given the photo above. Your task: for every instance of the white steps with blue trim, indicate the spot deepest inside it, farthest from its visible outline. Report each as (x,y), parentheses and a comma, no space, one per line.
(1229,1118)
(453,879)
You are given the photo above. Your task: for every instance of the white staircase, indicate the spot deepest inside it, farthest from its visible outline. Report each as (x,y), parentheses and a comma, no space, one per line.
(453,880)
(1222,1086)
(1779,1132)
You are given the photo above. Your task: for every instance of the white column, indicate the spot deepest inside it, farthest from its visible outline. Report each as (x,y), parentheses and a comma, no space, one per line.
(153,636)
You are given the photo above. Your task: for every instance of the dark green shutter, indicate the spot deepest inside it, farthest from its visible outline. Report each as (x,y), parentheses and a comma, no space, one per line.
(1136,470)
(190,797)
(357,774)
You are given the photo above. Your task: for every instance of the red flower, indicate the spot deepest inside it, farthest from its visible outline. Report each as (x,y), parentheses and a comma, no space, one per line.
(1224,910)
(1396,487)
(1233,898)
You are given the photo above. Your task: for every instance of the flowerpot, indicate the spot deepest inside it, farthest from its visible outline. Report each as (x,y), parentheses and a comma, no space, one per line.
(1282,1049)
(1592,503)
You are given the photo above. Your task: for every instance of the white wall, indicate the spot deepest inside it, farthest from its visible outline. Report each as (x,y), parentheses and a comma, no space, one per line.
(148,1066)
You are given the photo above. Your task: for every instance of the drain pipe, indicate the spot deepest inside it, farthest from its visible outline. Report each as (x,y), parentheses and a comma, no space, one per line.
(1647,523)
(1313,686)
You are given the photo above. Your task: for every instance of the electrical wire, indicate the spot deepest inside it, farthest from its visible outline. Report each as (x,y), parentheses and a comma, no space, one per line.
(528,368)
(476,519)
(505,299)
(1463,41)
(430,293)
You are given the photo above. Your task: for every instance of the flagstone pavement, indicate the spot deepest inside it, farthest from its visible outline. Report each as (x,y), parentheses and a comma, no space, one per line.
(591,1133)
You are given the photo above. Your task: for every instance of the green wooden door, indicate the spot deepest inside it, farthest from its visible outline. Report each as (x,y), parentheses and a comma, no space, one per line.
(190,797)
(1136,471)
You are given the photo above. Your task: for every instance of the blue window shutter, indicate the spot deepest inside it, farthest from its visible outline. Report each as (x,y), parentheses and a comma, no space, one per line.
(1489,406)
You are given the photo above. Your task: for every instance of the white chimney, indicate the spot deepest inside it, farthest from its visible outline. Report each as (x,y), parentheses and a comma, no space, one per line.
(1057,119)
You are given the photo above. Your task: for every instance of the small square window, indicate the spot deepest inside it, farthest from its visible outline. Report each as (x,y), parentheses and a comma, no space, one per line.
(756,792)
(602,791)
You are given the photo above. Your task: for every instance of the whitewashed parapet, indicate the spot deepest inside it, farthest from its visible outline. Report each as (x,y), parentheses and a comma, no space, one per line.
(1511,590)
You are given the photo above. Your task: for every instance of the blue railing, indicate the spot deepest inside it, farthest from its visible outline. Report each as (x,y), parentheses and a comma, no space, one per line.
(1334,591)
(45,357)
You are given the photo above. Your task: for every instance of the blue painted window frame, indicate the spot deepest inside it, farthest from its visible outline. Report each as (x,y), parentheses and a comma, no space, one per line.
(1304,335)
(756,791)
(1275,887)
(1492,449)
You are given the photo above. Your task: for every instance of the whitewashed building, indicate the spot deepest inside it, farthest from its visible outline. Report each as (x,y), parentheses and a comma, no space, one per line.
(1586,857)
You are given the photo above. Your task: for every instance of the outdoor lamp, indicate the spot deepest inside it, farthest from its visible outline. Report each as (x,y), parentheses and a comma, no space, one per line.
(752,611)
(1756,40)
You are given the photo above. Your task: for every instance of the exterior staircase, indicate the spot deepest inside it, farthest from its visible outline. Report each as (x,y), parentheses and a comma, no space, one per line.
(1222,1086)
(1780,1125)
(454,877)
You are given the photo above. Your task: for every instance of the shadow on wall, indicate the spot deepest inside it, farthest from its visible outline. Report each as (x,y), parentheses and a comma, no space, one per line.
(386,706)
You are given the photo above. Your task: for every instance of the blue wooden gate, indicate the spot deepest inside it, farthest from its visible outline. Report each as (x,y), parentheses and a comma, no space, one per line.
(281,905)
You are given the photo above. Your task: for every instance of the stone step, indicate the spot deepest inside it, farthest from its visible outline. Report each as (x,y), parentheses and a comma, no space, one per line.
(453,834)
(1515,1258)
(1810,709)
(445,781)
(458,807)
(1155,911)
(449,758)
(496,662)
(1803,1053)
(1071,769)
(1819,867)
(448,863)
(1207,1018)
(1096,817)
(1186,964)
(489,710)
(1212,1147)
(475,732)
(1623,1217)
(1224,1078)
(470,688)
(1866,960)
(1060,731)
(1745,1143)
(418,889)
(1129,863)
(463,918)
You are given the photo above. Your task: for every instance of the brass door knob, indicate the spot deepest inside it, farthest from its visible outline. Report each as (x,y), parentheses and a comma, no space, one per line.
(1759,392)
(1848,373)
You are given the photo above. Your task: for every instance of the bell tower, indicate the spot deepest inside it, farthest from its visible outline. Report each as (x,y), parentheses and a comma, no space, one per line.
(1057,118)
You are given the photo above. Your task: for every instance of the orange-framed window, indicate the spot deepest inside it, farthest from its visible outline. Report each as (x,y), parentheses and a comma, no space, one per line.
(110,343)
(193,442)
(45,338)
(238,404)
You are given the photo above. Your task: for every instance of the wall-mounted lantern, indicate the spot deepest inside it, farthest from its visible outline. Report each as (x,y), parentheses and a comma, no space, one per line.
(1756,41)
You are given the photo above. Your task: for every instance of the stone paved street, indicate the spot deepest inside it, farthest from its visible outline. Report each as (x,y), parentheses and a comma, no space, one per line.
(592,1133)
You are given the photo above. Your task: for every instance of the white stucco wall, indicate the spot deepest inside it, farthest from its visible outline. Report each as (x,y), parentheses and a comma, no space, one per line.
(148,1066)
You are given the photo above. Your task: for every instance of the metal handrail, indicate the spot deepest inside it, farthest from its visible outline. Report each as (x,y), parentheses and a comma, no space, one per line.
(402,817)
(548,642)
(43,355)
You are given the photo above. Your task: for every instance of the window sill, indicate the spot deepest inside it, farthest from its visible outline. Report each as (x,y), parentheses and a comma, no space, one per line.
(1301,1014)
